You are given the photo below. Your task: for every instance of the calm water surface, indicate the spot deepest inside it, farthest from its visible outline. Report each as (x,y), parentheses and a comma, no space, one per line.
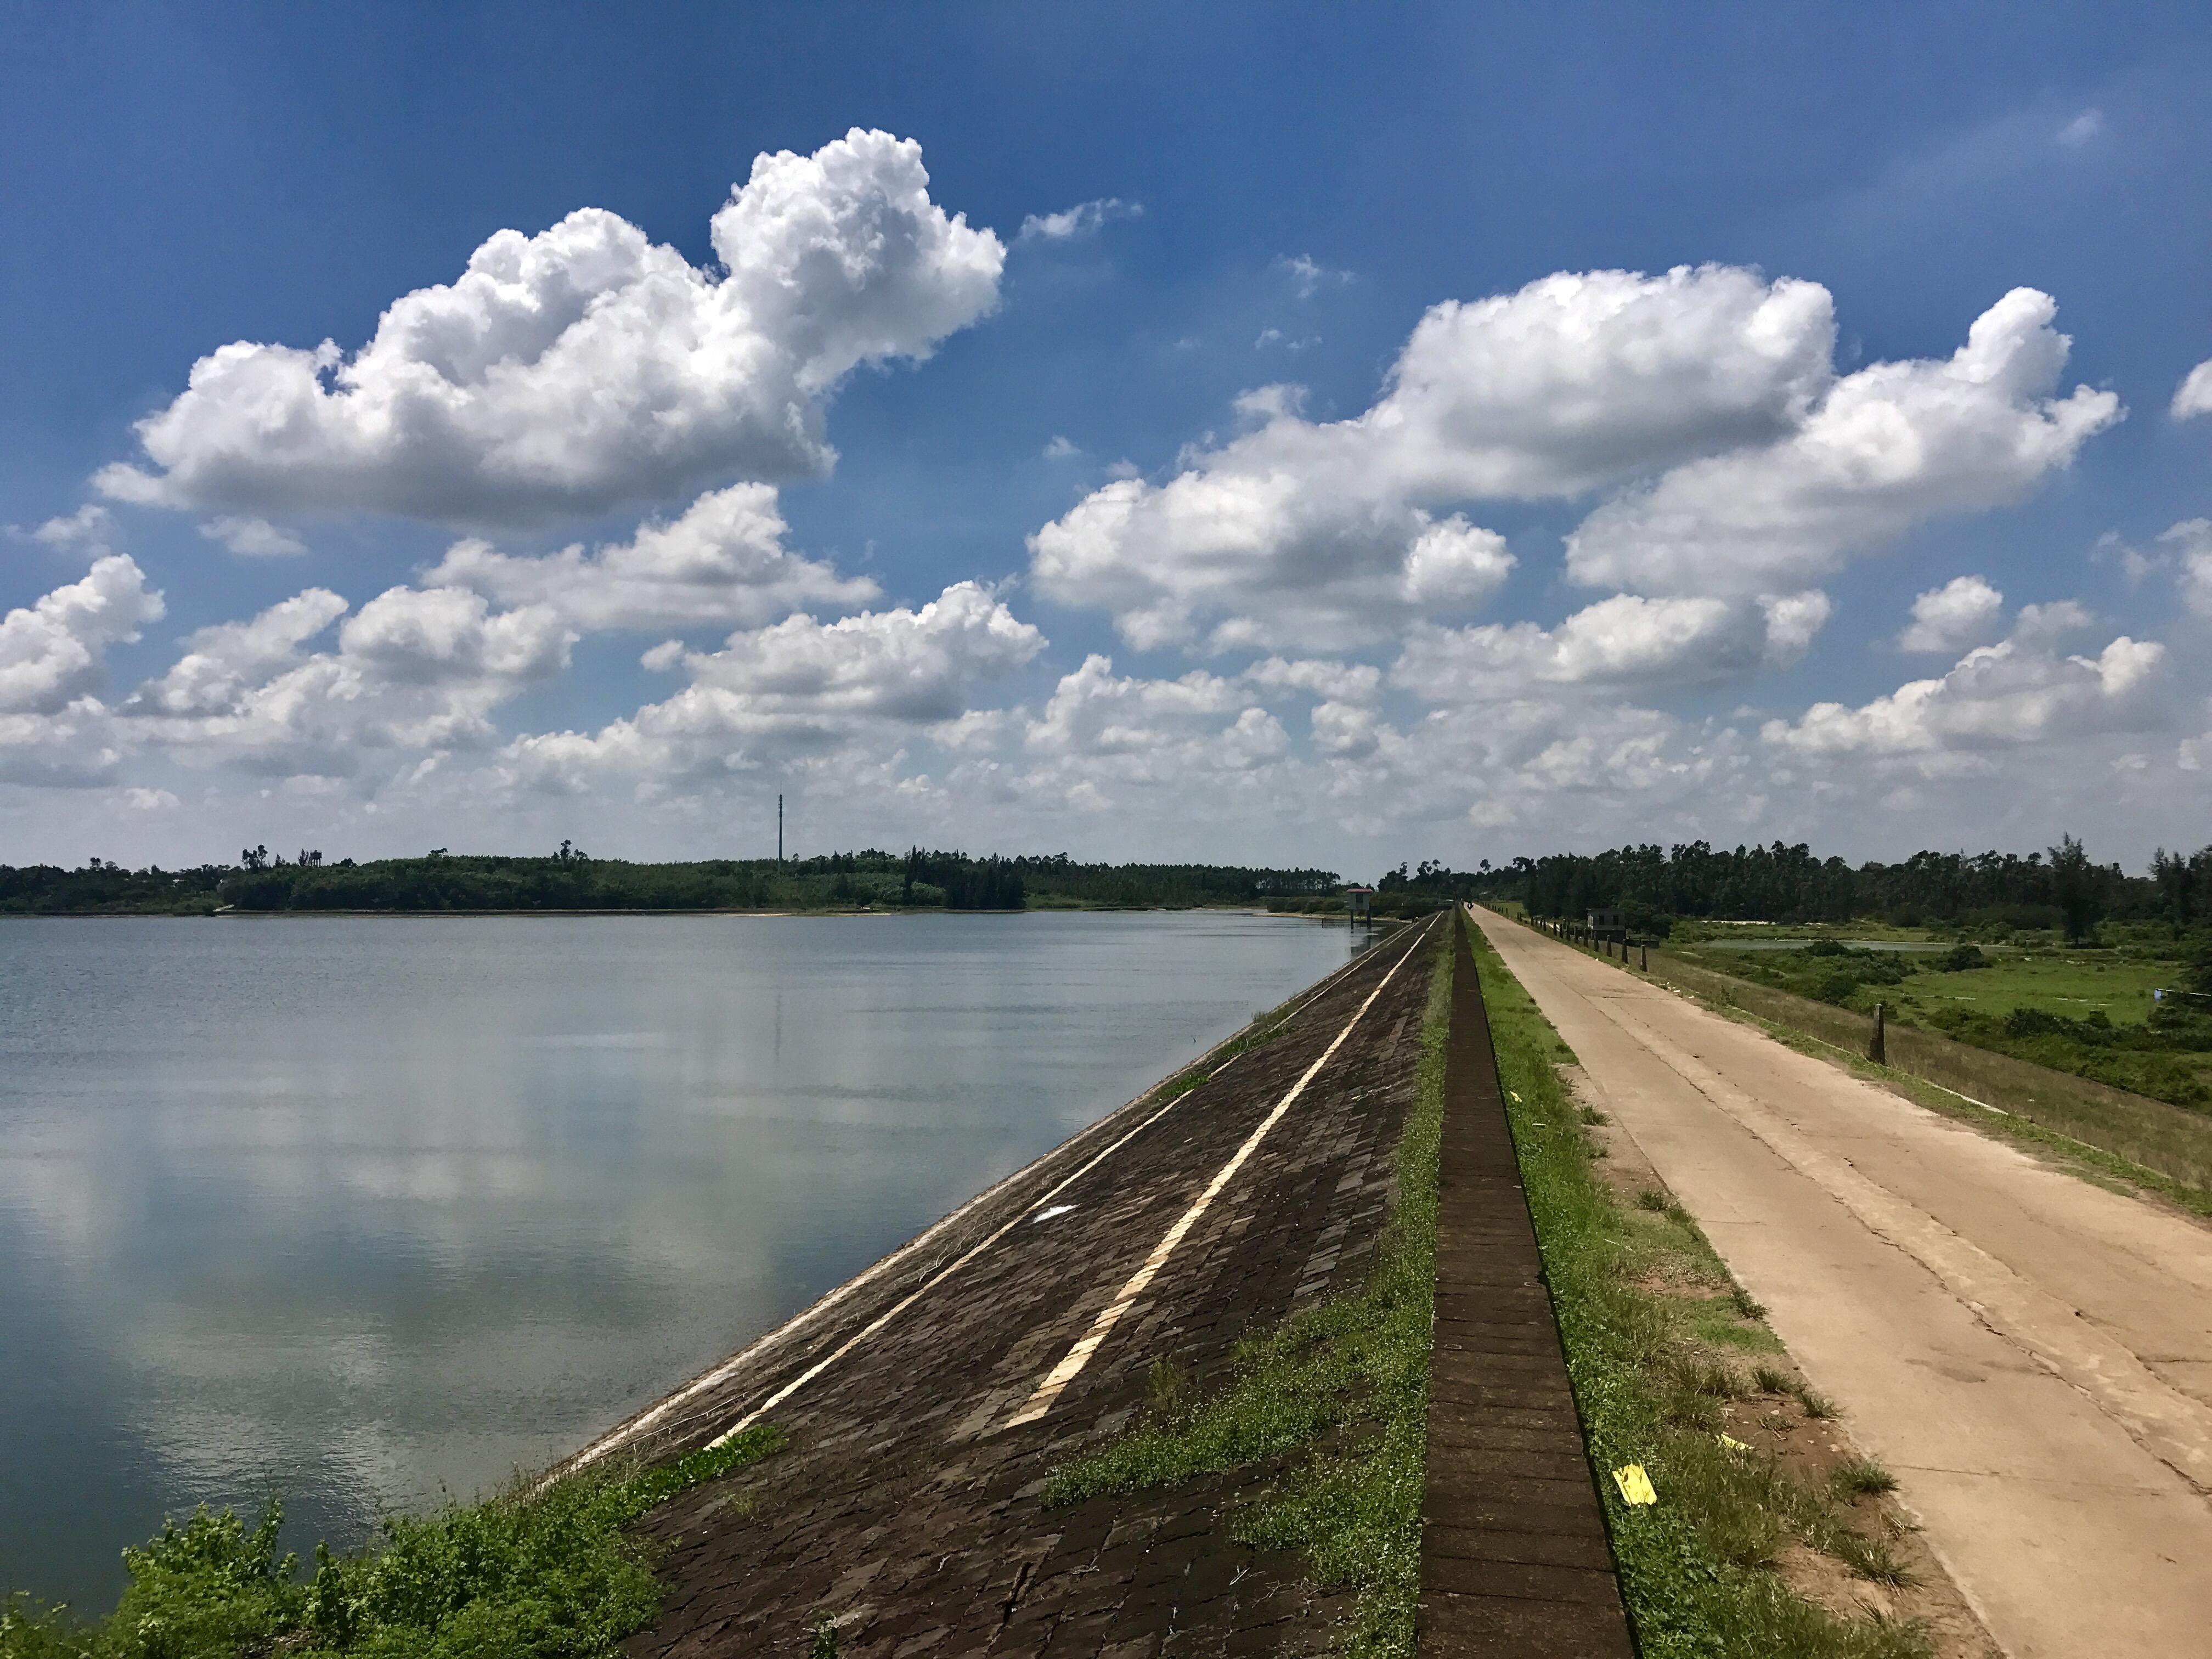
(359,1209)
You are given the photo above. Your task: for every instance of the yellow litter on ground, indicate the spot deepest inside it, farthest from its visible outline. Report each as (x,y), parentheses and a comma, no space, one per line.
(1635,1485)
(1733,1444)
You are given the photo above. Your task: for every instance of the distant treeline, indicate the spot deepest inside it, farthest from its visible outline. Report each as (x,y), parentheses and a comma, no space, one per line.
(2063,887)
(571,880)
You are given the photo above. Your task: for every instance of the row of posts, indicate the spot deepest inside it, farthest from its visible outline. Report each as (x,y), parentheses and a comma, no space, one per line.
(1573,932)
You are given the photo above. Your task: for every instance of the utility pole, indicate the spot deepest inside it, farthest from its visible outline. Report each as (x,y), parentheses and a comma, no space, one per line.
(779,829)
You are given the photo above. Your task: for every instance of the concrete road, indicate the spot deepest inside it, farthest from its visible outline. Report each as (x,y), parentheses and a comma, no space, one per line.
(2030,1354)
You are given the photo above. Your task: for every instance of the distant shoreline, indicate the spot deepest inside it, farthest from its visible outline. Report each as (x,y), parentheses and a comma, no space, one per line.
(794,915)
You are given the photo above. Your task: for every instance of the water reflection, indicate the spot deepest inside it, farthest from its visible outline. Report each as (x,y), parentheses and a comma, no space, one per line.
(350,1208)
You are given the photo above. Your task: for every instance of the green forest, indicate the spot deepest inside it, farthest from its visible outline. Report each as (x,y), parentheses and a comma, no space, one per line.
(569,879)
(2063,888)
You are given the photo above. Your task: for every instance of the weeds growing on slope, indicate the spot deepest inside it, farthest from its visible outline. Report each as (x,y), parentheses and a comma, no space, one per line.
(1698,1567)
(551,1575)
(1340,1394)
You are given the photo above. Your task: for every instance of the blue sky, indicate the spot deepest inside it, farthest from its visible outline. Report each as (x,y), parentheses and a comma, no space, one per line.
(1253,433)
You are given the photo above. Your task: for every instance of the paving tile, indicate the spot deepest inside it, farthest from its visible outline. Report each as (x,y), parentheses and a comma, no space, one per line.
(1514,1554)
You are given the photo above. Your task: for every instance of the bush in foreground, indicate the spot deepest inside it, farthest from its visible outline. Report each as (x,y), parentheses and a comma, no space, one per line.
(552,1575)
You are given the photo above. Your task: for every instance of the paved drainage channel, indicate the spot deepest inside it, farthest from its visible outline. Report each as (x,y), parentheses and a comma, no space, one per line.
(927,1401)
(1515,1559)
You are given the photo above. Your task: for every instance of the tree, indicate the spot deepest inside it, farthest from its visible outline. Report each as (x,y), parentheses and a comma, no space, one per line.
(254,857)
(2075,885)
(2176,876)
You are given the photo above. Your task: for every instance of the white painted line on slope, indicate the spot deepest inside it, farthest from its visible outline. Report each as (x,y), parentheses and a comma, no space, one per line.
(901,1306)
(1077,1357)
(623,1433)
(1057,1209)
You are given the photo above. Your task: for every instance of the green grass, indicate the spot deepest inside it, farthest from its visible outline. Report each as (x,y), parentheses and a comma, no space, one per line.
(2112,1136)
(1863,1478)
(550,1575)
(2103,1030)
(1336,1399)
(1698,1567)
(2077,984)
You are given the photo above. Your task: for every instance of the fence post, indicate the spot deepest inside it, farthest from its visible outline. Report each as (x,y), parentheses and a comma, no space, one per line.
(1644,958)
(1877,1050)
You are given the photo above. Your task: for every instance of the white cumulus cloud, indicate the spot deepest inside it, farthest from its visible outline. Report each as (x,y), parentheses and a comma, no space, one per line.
(1953,616)
(416,673)
(799,687)
(586,366)
(221,665)
(1886,447)
(1623,642)
(1308,275)
(721,562)
(1303,532)
(2193,396)
(90,525)
(2001,696)
(51,651)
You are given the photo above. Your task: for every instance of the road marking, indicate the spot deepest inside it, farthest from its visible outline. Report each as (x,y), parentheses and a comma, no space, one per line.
(1077,1357)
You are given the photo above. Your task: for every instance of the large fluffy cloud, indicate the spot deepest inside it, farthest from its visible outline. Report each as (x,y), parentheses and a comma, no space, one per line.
(721,562)
(1260,561)
(1886,447)
(587,365)
(416,673)
(51,651)
(1626,642)
(2004,696)
(222,664)
(800,687)
(1582,379)
(1302,532)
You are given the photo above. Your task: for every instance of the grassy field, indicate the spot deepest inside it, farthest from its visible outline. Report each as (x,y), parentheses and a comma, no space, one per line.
(2087,1011)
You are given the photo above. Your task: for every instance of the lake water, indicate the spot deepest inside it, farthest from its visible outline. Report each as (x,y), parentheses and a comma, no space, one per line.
(352,1209)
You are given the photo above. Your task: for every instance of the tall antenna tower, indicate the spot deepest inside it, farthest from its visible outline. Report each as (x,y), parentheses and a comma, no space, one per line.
(779,829)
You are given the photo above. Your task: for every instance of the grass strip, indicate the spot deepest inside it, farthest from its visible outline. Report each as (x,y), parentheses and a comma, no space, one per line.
(1336,1396)
(1697,1568)
(550,1576)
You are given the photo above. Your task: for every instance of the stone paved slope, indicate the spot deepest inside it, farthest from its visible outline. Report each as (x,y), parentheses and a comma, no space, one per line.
(906,1507)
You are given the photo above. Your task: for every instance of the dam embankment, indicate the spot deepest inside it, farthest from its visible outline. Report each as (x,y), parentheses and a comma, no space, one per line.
(928,1401)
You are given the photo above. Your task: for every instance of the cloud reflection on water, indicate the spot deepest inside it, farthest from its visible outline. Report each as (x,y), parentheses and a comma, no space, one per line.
(351,1210)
